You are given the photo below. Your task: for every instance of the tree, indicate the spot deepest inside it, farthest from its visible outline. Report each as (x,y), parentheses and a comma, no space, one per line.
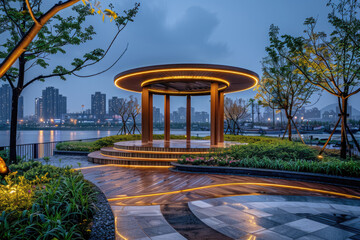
(330,62)
(234,111)
(124,113)
(251,100)
(282,87)
(134,111)
(31,37)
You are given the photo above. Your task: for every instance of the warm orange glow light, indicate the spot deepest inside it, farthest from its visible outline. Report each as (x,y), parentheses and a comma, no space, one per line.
(3,168)
(256,80)
(239,184)
(140,159)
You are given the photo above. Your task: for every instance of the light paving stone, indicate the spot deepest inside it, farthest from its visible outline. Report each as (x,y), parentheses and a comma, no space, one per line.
(201,204)
(306,225)
(170,236)
(259,205)
(257,213)
(300,210)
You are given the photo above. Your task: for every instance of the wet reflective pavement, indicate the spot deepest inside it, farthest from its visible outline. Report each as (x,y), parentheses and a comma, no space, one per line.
(151,203)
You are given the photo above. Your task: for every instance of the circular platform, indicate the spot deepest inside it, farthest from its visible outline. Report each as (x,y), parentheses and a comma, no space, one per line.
(185,79)
(157,153)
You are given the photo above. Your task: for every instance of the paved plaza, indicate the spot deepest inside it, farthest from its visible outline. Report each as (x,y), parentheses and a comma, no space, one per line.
(156,203)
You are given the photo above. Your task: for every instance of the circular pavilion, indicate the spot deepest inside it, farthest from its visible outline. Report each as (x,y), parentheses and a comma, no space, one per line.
(185,80)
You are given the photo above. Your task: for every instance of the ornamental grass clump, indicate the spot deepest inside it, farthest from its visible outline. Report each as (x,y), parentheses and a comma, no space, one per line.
(45,202)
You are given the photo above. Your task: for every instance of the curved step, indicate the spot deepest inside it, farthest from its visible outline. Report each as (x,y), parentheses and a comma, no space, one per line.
(159,146)
(97,157)
(108,151)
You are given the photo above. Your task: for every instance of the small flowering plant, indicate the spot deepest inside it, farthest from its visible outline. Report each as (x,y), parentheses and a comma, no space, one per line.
(210,160)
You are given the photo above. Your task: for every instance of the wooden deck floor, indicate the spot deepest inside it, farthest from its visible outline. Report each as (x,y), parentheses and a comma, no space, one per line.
(152,186)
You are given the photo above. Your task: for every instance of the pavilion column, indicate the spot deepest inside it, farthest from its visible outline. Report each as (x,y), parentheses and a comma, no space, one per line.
(146,115)
(188,118)
(151,120)
(167,117)
(214,118)
(221,117)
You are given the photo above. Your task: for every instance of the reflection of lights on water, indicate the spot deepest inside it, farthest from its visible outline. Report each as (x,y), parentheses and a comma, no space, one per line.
(98,133)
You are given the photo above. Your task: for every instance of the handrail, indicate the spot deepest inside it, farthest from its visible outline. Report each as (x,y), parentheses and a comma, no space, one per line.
(38,150)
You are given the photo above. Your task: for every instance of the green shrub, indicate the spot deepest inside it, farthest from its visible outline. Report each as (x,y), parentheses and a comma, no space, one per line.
(284,150)
(32,169)
(58,205)
(76,146)
(332,167)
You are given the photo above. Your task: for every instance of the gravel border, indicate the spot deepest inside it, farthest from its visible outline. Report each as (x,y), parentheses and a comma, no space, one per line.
(103,222)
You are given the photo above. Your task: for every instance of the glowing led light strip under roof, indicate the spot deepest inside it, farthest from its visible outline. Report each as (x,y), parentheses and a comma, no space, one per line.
(238,184)
(188,69)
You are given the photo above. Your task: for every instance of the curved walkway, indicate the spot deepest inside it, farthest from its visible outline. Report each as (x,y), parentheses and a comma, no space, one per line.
(133,192)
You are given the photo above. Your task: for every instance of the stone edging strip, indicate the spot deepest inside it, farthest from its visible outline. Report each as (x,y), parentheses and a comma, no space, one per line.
(76,153)
(343,181)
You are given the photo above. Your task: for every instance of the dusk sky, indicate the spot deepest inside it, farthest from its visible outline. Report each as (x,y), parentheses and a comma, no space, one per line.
(229,32)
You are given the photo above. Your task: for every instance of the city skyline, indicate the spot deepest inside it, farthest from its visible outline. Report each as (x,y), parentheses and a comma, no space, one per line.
(186,31)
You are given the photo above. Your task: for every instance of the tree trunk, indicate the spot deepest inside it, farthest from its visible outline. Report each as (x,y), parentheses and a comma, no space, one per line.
(289,128)
(13,124)
(343,111)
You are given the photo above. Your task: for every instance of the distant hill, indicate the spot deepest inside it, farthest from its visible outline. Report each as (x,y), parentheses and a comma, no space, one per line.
(333,106)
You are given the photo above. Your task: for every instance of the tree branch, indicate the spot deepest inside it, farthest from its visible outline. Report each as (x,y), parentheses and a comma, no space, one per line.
(31,34)
(10,81)
(31,12)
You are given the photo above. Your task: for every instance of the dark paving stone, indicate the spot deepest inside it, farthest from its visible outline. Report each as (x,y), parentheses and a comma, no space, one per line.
(232,232)
(355,237)
(288,231)
(160,230)
(180,217)
(265,223)
(330,219)
(283,218)
(270,235)
(150,221)
(274,210)
(310,237)
(332,233)
(348,228)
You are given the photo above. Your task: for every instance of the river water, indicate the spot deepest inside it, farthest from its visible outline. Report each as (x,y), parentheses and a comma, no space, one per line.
(40,136)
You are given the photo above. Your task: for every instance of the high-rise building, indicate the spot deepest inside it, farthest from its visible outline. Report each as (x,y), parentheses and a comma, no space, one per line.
(39,108)
(182,114)
(21,107)
(98,104)
(114,105)
(156,115)
(201,117)
(53,103)
(6,101)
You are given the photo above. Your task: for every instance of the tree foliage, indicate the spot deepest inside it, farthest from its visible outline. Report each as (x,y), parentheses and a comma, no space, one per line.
(32,36)
(282,86)
(329,61)
(234,111)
